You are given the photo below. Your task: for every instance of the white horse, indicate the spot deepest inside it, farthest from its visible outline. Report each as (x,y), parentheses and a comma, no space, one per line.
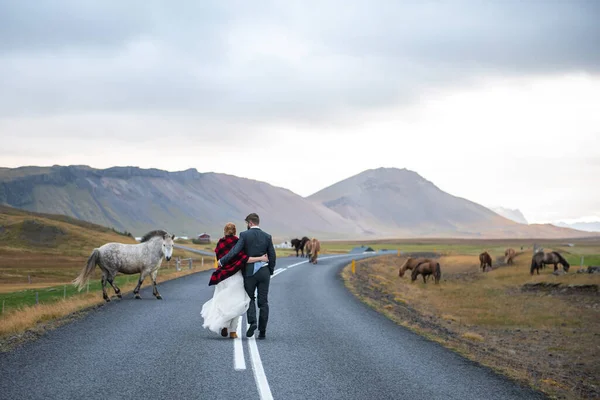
(144,258)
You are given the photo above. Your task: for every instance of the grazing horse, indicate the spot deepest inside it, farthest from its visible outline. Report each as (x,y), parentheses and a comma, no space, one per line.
(540,259)
(509,255)
(485,260)
(410,263)
(427,268)
(315,247)
(144,258)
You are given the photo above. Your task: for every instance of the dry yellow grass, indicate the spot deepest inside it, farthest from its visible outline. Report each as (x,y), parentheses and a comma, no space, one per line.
(20,320)
(526,335)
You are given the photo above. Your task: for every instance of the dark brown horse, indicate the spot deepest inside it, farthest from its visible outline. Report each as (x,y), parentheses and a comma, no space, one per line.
(410,263)
(509,255)
(540,259)
(298,245)
(427,268)
(485,260)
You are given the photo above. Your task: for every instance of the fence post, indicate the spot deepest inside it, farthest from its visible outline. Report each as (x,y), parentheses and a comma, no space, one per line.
(177,264)
(37,299)
(3,306)
(29,279)
(190,264)
(65,292)
(353,266)
(202,262)
(581,261)
(216,264)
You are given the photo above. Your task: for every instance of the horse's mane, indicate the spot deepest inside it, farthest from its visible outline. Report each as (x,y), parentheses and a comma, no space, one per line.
(151,234)
(561,258)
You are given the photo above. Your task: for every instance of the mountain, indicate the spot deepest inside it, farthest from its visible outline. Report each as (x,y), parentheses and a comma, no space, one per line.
(384,202)
(582,226)
(392,201)
(512,214)
(186,203)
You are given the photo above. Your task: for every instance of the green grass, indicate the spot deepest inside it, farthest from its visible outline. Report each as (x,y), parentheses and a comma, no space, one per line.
(52,294)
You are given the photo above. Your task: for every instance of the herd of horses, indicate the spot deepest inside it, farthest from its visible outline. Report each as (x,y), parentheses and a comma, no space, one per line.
(539,260)
(427,267)
(146,257)
(309,246)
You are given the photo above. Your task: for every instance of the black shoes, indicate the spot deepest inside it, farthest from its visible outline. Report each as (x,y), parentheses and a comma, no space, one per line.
(261,335)
(251,330)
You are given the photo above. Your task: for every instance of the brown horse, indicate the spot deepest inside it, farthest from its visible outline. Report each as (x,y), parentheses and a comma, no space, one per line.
(315,247)
(307,248)
(539,259)
(427,268)
(410,263)
(485,260)
(509,255)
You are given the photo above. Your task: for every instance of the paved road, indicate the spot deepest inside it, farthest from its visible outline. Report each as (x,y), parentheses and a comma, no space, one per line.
(321,344)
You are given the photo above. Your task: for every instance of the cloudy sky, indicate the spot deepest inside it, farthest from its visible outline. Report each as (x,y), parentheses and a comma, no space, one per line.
(497,102)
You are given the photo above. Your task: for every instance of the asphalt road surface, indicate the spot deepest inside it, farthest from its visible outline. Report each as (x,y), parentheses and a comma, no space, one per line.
(321,343)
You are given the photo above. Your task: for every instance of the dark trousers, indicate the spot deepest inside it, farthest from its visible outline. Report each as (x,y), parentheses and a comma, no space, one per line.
(259,281)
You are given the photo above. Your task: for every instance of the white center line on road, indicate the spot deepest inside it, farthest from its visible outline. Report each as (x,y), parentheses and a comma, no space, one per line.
(238,349)
(262,384)
(260,377)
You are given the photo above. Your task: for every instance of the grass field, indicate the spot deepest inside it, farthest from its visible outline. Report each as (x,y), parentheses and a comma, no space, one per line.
(546,338)
(41,254)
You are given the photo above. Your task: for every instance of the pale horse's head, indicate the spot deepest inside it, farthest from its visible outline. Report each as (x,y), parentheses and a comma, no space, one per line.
(167,246)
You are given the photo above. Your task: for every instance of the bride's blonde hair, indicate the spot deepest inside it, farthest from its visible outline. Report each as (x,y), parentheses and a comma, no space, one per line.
(229,229)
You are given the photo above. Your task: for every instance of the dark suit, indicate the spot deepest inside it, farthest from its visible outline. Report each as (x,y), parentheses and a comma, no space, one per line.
(255,242)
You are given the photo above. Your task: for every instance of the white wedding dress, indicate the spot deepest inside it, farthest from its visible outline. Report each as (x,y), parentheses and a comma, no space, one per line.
(229,301)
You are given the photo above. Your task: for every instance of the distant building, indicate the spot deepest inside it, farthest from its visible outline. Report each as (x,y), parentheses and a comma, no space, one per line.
(284,245)
(361,249)
(203,238)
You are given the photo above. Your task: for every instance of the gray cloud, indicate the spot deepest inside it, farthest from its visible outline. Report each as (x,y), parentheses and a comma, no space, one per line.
(274,61)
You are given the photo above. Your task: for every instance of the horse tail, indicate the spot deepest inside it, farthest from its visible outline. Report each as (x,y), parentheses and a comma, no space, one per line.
(87,271)
(438,272)
(562,259)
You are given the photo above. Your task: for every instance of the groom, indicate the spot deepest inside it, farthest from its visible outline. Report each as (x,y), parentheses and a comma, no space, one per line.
(255,242)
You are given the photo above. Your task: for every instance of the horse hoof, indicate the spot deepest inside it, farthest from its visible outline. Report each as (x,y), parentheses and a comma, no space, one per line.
(107,300)
(137,296)
(159,297)
(120,295)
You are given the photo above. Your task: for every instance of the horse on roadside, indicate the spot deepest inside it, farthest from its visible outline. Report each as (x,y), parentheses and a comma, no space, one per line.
(307,248)
(299,244)
(315,247)
(540,259)
(485,260)
(509,255)
(427,268)
(410,263)
(144,258)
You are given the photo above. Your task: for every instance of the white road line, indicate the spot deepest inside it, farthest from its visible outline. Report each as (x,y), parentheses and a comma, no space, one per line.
(257,367)
(262,384)
(238,349)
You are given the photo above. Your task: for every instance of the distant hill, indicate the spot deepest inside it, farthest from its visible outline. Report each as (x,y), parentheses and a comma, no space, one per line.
(391,200)
(512,214)
(186,203)
(384,202)
(28,231)
(582,226)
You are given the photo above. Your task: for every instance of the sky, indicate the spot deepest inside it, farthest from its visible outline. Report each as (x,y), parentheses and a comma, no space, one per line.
(496,102)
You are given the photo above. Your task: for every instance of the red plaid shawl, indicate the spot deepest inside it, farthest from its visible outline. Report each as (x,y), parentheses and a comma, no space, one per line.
(224,245)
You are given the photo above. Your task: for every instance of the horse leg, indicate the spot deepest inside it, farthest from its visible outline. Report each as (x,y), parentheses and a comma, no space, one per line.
(136,291)
(104,295)
(114,286)
(555,267)
(154,288)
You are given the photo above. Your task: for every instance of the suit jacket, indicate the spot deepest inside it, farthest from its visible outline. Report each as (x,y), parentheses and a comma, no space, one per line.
(254,242)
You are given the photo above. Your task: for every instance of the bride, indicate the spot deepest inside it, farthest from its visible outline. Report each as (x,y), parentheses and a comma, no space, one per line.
(230,299)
